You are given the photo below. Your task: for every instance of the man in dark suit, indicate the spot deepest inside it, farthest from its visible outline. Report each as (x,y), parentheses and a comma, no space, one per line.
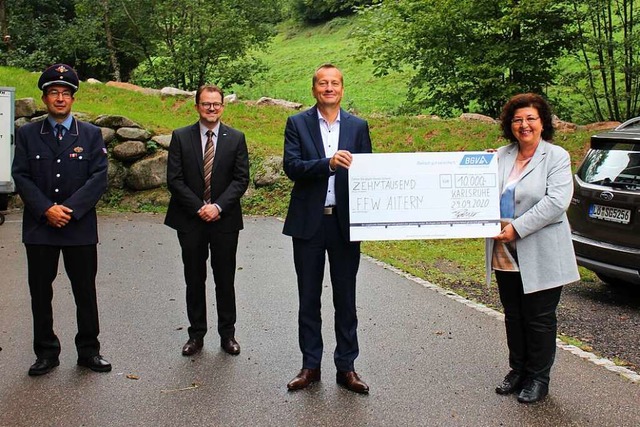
(60,172)
(207,174)
(317,154)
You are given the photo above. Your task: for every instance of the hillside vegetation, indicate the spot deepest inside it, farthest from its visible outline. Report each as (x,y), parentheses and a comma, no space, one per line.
(297,51)
(293,57)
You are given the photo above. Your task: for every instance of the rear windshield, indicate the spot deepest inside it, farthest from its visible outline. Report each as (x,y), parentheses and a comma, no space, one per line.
(615,165)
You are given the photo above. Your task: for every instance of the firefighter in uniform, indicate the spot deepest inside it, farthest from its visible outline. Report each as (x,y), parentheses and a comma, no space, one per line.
(60,172)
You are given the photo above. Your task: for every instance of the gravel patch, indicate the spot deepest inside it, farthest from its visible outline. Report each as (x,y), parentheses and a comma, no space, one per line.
(606,319)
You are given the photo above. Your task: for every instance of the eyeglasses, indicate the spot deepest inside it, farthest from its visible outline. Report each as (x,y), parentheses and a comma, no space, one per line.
(519,121)
(66,94)
(210,105)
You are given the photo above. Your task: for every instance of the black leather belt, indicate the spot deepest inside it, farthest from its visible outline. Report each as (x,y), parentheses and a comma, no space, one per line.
(329,210)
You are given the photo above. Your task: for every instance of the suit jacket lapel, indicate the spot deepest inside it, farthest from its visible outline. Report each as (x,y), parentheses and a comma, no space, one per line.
(539,154)
(507,162)
(196,146)
(46,135)
(70,138)
(313,124)
(343,139)
(49,139)
(221,147)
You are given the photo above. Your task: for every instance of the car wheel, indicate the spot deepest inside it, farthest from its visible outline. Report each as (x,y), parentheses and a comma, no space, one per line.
(611,281)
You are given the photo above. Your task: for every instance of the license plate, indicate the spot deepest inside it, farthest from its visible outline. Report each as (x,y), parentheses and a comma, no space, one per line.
(608,213)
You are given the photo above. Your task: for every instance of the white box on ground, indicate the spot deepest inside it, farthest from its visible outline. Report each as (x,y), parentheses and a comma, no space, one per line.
(7,111)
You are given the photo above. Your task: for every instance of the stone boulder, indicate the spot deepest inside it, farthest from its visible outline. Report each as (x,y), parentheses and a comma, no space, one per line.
(129,150)
(428,117)
(172,91)
(108,134)
(136,134)
(231,99)
(25,107)
(598,126)
(115,122)
(20,122)
(116,174)
(562,126)
(126,86)
(83,117)
(38,118)
(148,173)
(269,172)
(134,88)
(162,140)
(474,117)
(279,102)
(93,81)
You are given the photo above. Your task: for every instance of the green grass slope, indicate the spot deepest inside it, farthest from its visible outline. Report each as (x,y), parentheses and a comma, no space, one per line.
(294,56)
(296,53)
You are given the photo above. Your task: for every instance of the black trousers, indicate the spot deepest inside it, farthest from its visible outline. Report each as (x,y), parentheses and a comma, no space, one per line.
(531,324)
(81,265)
(344,260)
(196,245)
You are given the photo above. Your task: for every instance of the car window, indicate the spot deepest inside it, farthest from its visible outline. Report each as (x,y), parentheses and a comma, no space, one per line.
(617,166)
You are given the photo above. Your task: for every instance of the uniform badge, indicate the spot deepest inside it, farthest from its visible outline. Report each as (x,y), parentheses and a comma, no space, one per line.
(62,69)
(78,149)
(73,155)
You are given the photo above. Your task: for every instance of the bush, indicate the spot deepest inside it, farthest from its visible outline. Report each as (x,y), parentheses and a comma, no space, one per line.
(314,11)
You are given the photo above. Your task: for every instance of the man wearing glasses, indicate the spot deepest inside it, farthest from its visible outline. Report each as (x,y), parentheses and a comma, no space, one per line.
(60,172)
(207,174)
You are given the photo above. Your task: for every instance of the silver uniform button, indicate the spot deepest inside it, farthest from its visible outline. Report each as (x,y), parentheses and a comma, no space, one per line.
(80,157)
(57,175)
(58,161)
(38,156)
(56,190)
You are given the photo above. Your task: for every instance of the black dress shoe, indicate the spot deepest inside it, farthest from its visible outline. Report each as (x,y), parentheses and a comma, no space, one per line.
(43,366)
(533,391)
(192,346)
(351,381)
(512,383)
(304,379)
(96,363)
(230,345)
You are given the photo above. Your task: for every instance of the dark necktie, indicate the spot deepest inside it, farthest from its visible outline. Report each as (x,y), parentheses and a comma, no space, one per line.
(59,134)
(209,152)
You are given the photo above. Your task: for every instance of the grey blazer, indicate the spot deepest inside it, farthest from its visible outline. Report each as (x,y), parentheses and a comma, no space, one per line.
(545,251)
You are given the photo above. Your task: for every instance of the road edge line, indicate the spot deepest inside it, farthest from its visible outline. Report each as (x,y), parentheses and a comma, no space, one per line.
(628,374)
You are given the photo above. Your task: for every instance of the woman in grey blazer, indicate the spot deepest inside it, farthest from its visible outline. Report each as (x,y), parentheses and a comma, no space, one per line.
(533,255)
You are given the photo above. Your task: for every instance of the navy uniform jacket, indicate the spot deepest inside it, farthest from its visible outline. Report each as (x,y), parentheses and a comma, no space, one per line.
(306,164)
(72,173)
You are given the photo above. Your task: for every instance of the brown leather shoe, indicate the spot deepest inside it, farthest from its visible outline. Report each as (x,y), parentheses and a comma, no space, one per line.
(351,381)
(230,345)
(193,346)
(304,379)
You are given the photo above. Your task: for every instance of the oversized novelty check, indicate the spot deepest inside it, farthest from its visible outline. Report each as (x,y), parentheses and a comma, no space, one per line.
(400,196)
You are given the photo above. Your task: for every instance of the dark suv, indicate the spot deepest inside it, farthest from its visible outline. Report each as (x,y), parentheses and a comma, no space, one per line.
(605,208)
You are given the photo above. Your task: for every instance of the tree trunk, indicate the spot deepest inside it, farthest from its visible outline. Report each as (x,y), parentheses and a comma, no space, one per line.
(110,46)
(611,62)
(4,25)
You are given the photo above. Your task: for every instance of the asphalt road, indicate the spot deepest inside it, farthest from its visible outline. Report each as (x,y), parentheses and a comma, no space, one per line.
(430,360)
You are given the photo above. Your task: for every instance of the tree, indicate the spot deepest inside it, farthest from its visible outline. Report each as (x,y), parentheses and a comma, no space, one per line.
(200,41)
(4,23)
(35,27)
(324,10)
(609,52)
(180,43)
(470,55)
